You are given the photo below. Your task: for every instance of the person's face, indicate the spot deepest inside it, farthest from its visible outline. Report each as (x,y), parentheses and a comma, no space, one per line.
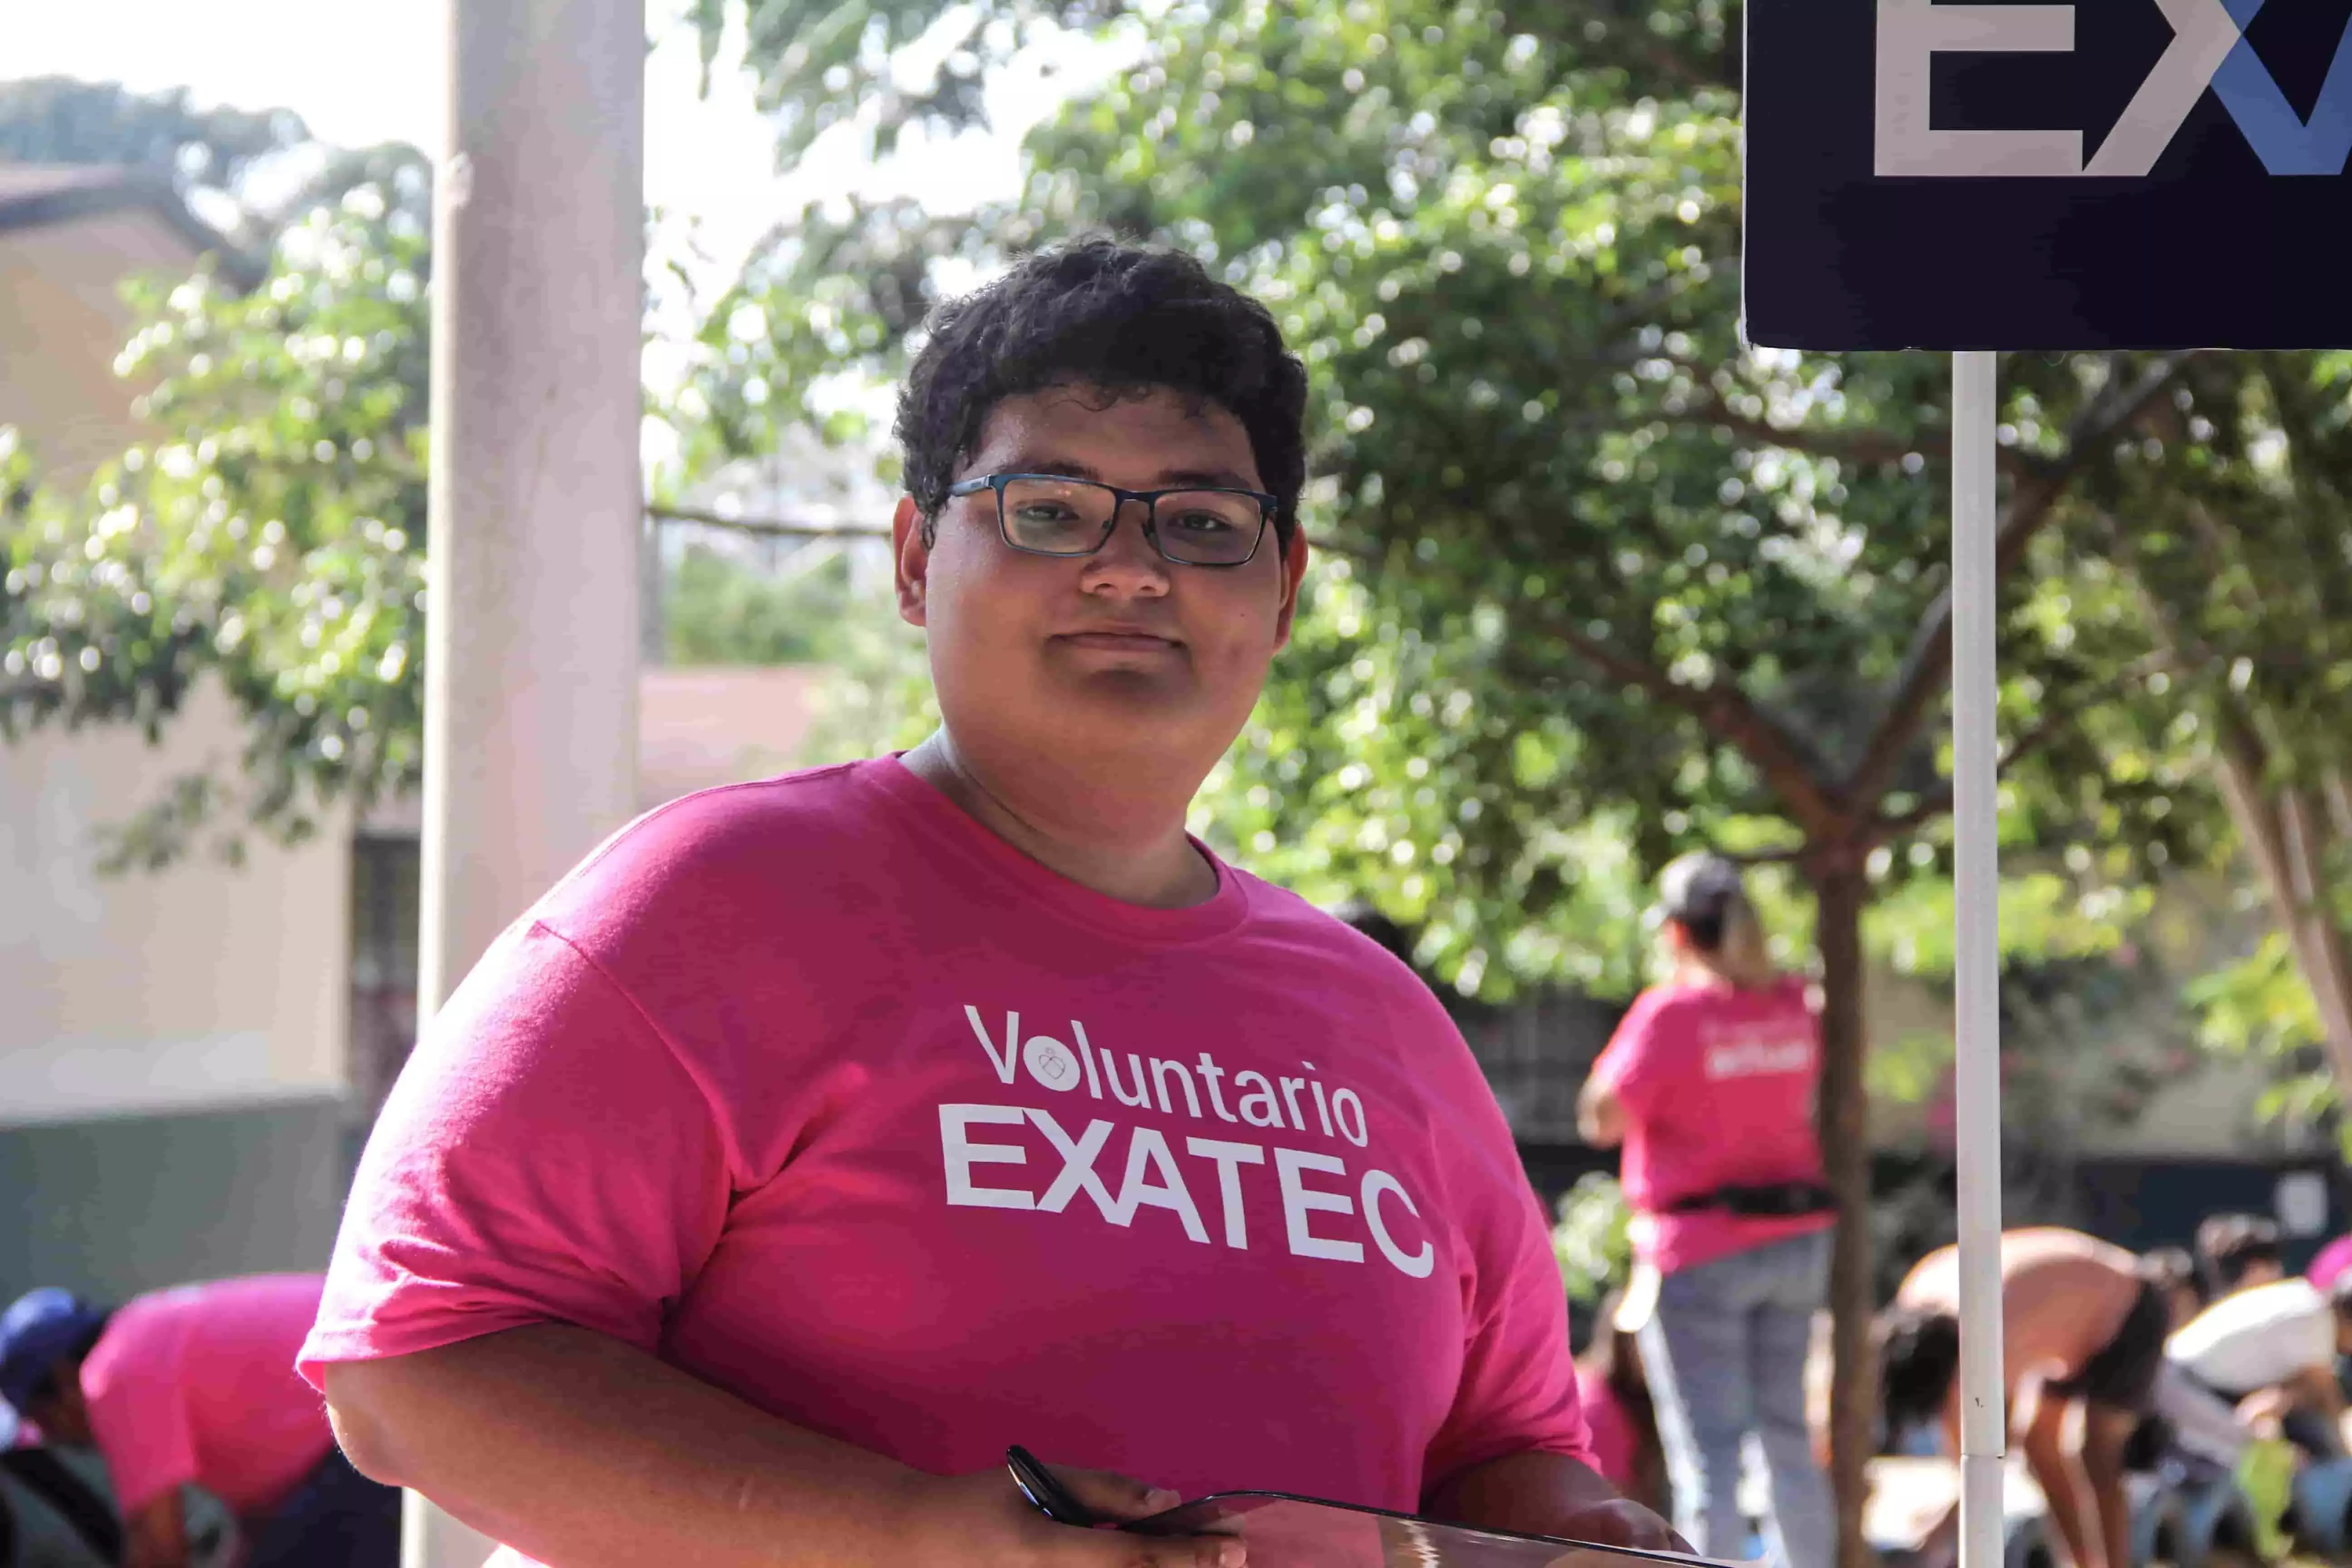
(2183,1302)
(61,1412)
(2264,1273)
(1119,659)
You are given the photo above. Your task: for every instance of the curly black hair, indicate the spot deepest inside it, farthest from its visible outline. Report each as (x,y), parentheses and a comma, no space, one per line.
(2231,1245)
(1102,312)
(1918,1355)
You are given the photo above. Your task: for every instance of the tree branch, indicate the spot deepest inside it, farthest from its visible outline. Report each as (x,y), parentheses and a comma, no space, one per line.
(1938,800)
(763,527)
(1768,856)
(1927,665)
(1866,448)
(1727,715)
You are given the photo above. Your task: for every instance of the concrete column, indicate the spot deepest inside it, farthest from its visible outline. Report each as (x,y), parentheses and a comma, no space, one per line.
(531,614)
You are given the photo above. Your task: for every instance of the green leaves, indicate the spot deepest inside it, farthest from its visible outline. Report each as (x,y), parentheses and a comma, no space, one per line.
(1591,1240)
(1605,585)
(272,535)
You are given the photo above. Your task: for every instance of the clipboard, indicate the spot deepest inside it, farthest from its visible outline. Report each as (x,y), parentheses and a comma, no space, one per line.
(1281,1530)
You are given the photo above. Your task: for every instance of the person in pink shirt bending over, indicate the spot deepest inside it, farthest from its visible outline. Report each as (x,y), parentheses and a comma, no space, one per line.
(196,1386)
(1709,1083)
(816,1140)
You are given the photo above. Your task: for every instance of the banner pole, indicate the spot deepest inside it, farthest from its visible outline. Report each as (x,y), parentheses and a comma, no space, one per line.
(1984,1419)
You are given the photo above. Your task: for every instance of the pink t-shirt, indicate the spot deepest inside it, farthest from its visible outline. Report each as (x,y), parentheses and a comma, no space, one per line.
(820,1092)
(197,1384)
(1717,1090)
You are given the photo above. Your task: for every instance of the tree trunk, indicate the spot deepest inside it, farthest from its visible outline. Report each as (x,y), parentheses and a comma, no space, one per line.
(1840,891)
(2288,840)
(2286,826)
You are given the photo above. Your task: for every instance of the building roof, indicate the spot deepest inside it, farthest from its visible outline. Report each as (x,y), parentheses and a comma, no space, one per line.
(40,195)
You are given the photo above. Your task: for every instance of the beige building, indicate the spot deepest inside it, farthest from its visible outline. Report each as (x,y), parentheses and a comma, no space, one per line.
(188,1057)
(171,1047)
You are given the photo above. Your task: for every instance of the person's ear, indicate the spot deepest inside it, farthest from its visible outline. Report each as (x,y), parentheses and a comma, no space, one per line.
(1294,572)
(910,543)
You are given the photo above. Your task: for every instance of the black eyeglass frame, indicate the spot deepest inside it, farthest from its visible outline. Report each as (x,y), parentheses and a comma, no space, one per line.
(1266,506)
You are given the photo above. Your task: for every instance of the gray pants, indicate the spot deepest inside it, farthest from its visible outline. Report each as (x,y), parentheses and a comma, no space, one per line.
(1725,1354)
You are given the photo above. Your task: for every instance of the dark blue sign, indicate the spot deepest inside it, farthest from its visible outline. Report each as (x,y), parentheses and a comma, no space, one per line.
(2109,173)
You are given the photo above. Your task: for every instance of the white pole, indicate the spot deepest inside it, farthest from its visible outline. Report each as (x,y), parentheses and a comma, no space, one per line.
(536,502)
(1984,1419)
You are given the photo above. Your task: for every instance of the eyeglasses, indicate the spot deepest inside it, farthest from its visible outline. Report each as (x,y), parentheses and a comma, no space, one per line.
(1047,514)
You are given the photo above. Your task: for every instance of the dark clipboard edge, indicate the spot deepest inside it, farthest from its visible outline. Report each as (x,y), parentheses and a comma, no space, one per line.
(1145,1527)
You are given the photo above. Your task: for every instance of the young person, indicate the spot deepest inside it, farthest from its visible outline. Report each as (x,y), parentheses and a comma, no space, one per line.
(815,1140)
(2083,1330)
(2270,1348)
(2239,1252)
(1709,1083)
(1620,1413)
(196,1386)
(2173,1271)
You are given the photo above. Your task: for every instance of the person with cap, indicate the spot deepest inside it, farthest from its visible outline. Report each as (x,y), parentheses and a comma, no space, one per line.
(1709,1083)
(196,1385)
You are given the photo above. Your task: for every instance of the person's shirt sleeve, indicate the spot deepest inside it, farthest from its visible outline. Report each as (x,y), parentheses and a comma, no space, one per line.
(137,1404)
(1517,1390)
(547,1157)
(1632,1067)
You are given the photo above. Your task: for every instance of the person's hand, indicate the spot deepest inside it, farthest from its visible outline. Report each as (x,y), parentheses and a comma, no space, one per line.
(1621,1521)
(981,1520)
(2264,1410)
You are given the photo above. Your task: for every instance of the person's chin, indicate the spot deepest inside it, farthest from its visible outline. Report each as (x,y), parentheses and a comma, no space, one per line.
(1165,666)
(1131,686)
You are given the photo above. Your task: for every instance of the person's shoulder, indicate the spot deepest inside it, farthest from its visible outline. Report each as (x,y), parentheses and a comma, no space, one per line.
(1667,1010)
(739,817)
(722,867)
(140,1334)
(1932,1282)
(734,831)
(1327,948)
(2282,1301)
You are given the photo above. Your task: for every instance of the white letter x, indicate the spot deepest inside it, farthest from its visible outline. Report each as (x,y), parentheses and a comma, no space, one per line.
(2202,36)
(1077,1166)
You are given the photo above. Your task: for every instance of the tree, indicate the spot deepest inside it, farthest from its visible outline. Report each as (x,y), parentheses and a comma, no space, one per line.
(718,610)
(58,119)
(2228,545)
(272,536)
(208,156)
(1603,585)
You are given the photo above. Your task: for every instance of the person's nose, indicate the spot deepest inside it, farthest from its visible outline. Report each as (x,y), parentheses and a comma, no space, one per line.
(1127,563)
